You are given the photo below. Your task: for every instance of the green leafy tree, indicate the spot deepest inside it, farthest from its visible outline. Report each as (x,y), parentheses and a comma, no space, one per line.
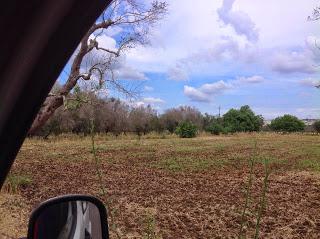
(316,126)
(287,123)
(216,128)
(186,129)
(243,120)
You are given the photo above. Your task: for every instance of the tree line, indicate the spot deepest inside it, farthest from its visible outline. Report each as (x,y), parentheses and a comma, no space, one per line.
(84,112)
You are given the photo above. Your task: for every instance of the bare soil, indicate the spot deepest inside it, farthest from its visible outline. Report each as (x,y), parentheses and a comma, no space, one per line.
(196,199)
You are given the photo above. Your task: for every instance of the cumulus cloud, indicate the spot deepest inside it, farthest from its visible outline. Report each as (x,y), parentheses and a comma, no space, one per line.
(293,62)
(178,73)
(196,94)
(239,21)
(215,88)
(226,48)
(106,41)
(125,72)
(154,102)
(304,59)
(205,92)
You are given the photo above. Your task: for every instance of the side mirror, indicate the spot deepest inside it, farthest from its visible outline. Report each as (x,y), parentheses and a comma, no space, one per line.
(69,217)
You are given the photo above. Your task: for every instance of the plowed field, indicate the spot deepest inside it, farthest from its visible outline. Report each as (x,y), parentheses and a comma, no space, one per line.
(176,188)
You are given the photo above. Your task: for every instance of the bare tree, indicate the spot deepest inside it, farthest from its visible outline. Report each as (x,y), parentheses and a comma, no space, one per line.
(93,62)
(140,119)
(315,14)
(172,117)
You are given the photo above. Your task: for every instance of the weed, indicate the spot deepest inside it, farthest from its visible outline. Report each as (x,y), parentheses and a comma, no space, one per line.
(16,182)
(150,231)
(262,203)
(248,190)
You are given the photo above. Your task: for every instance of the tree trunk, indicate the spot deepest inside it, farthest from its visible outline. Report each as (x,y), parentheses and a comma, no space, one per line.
(52,103)
(47,110)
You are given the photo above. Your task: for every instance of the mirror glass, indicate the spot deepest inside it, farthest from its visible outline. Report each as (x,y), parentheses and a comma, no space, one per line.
(69,220)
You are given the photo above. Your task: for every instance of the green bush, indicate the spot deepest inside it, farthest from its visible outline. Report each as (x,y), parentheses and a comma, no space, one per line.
(227,130)
(287,123)
(186,129)
(243,120)
(316,126)
(215,128)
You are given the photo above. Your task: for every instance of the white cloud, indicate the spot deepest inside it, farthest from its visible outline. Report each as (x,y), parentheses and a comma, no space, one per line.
(250,80)
(106,41)
(148,88)
(240,21)
(178,73)
(195,94)
(113,31)
(293,62)
(205,92)
(126,72)
(137,104)
(310,82)
(225,48)
(154,102)
(215,88)
(270,113)
(151,100)
(193,31)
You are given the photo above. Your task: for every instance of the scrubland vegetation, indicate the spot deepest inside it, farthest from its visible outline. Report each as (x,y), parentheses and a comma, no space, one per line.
(87,112)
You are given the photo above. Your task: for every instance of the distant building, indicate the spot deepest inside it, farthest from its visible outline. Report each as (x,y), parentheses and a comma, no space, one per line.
(309,121)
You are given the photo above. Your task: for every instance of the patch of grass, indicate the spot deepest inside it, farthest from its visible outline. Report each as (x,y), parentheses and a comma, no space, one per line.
(191,149)
(289,152)
(150,230)
(220,148)
(309,164)
(16,182)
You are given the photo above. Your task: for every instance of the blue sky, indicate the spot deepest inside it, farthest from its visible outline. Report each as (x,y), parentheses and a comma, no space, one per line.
(228,53)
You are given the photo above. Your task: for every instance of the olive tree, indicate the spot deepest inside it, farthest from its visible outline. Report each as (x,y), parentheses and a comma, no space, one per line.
(287,123)
(94,62)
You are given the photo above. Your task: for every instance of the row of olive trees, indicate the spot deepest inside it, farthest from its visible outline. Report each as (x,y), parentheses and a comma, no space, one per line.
(84,111)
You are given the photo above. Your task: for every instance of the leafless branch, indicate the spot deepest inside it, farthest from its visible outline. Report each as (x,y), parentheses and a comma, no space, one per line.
(315,15)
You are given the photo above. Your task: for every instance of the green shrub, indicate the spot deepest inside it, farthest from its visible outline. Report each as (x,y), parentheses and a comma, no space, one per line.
(186,129)
(316,126)
(215,128)
(287,123)
(227,130)
(242,120)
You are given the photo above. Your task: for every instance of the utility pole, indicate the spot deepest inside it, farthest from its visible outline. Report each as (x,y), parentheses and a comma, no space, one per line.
(219,110)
